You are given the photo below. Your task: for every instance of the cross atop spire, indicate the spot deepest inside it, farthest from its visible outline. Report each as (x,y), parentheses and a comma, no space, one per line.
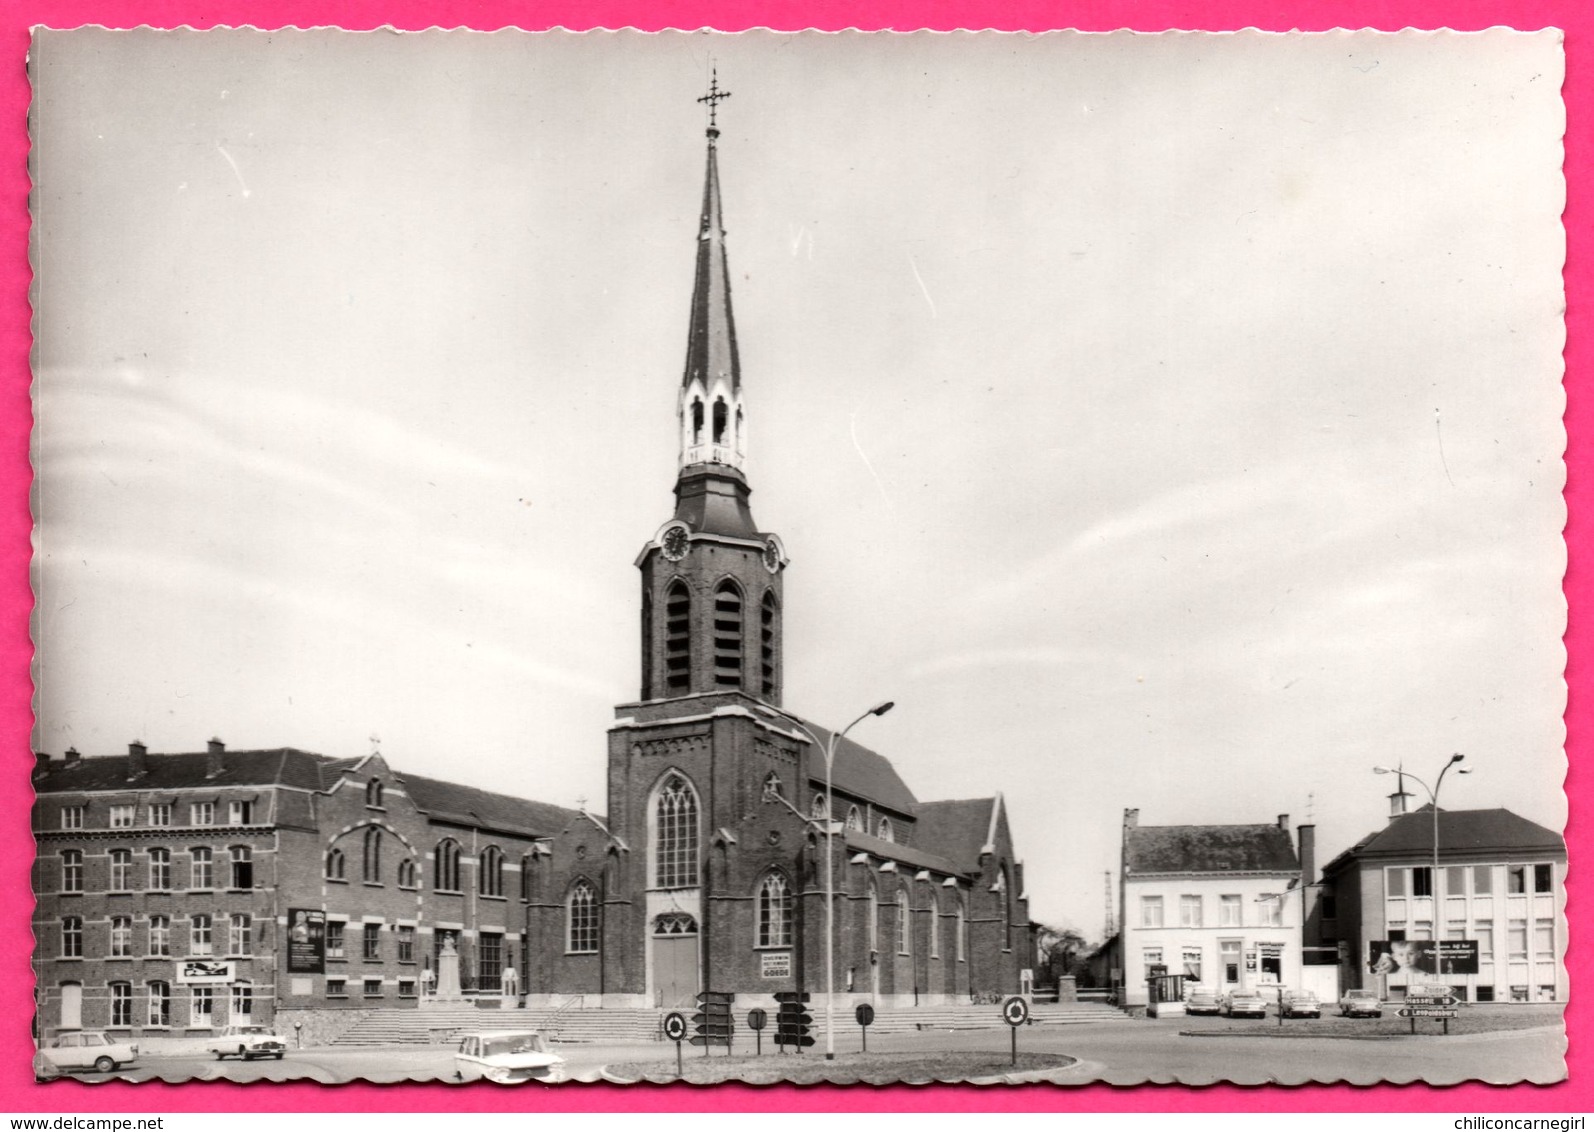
(714,97)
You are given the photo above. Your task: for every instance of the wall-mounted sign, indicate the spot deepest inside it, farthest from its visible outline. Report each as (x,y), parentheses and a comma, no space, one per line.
(775,964)
(307,941)
(1423,956)
(205,972)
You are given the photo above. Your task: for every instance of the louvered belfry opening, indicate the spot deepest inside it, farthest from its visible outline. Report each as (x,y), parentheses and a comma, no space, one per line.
(766,645)
(728,636)
(678,639)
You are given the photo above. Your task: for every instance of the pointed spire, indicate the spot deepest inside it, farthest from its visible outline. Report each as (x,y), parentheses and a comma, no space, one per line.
(712,426)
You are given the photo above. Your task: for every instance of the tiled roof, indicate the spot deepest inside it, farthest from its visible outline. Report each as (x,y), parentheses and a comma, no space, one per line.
(957,829)
(466,805)
(1208,849)
(864,774)
(1474,831)
(906,854)
(280,766)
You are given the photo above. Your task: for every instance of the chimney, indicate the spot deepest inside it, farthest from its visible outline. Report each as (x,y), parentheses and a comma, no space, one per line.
(41,764)
(72,756)
(213,765)
(1308,852)
(136,765)
(1284,822)
(1131,819)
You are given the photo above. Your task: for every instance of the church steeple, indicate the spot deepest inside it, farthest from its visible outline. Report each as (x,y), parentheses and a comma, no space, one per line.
(713,426)
(711,580)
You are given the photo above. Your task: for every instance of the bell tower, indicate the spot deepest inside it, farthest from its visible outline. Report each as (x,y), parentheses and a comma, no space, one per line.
(711,580)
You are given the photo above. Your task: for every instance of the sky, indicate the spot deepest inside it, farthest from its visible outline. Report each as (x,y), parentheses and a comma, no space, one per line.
(1161,421)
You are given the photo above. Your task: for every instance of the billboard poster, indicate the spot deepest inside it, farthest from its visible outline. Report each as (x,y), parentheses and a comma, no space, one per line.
(1423,956)
(307,941)
(204,972)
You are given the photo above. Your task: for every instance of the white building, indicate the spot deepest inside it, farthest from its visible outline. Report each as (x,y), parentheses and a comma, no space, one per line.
(1216,904)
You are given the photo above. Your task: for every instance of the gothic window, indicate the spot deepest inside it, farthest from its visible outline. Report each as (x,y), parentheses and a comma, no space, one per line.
(675,856)
(677,638)
(406,874)
(962,930)
(766,643)
(740,427)
(728,635)
(697,420)
(774,912)
(492,872)
(446,873)
(719,420)
(820,809)
(904,921)
(887,833)
(334,869)
(373,793)
(854,819)
(526,864)
(581,919)
(372,869)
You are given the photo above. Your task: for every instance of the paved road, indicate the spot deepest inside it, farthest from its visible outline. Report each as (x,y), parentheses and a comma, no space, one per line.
(1121,1053)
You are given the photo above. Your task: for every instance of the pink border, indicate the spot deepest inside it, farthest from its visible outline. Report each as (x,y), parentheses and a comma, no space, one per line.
(18,1092)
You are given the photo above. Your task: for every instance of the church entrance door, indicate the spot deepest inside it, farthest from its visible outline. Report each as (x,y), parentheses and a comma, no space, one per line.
(675,960)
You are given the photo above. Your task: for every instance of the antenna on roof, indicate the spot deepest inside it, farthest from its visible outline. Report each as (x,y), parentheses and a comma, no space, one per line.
(1107,883)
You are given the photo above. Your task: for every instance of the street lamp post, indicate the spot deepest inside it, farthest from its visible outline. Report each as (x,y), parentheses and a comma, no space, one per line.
(1433,804)
(830,876)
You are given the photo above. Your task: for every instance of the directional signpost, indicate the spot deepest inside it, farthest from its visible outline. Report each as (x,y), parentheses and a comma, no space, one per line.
(865,1015)
(675,1030)
(1429,1002)
(792,1020)
(713,1020)
(755,1022)
(1015,1012)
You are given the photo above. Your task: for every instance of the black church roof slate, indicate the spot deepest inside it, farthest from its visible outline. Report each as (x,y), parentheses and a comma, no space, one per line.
(905,854)
(957,828)
(862,773)
(1209,849)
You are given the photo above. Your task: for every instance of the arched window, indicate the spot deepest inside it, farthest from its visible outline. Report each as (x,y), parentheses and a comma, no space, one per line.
(121,1005)
(677,638)
(886,832)
(406,873)
(820,809)
(373,855)
(675,817)
(445,876)
(373,793)
(774,912)
(719,420)
(491,881)
(72,937)
(874,916)
(581,919)
(904,921)
(160,1003)
(334,869)
(741,430)
(935,925)
(697,420)
(1007,909)
(160,870)
(71,870)
(728,635)
(768,615)
(962,930)
(854,819)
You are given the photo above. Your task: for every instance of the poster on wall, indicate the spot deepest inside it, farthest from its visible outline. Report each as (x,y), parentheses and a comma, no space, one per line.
(775,964)
(205,972)
(307,941)
(1424,956)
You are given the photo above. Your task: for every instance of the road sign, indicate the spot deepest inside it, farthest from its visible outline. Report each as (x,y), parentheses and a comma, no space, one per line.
(756,1019)
(674,1026)
(713,1019)
(724,997)
(791,996)
(1427,1012)
(864,1014)
(1432,1000)
(1015,1011)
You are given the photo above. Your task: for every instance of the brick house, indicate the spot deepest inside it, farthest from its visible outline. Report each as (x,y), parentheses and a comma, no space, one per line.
(706,873)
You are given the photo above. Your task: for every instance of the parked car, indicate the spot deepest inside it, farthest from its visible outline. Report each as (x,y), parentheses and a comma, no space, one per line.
(85,1050)
(1203,1002)
(247,1042)
(507,1057)
(1361,1002)
(1246,1003)
(1301,1004)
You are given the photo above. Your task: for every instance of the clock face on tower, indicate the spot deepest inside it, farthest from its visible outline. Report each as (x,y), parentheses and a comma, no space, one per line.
(674,542)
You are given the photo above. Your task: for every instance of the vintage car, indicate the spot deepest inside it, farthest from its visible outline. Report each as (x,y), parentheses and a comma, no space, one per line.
(1301,1004)
(1361,1002)
(86,1050)
(1203,1002)
(507,1057)
(1244,1003)
(247,1042)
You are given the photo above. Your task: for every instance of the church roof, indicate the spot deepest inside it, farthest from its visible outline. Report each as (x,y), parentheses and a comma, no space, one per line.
(862,773)
(1208,849)
(959,829)
(276,766)
(909,855)
(711,340)
(456,804)
(1493,832)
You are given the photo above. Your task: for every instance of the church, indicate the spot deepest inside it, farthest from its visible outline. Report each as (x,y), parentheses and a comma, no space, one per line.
(182,892)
